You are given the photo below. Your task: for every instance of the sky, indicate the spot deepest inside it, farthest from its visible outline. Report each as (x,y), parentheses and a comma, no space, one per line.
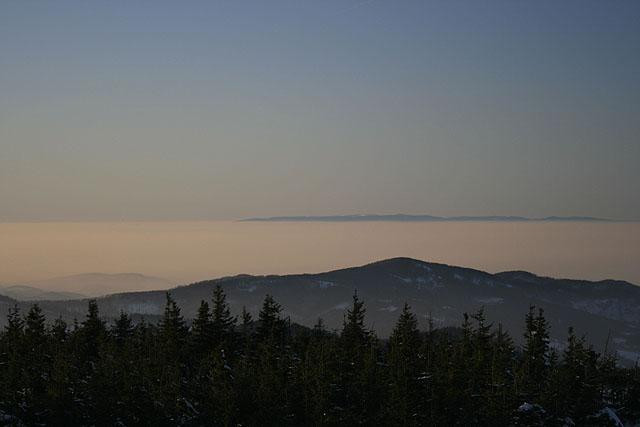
(229,109)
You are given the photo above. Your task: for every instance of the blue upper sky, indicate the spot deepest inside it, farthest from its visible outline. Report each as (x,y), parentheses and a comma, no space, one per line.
(226,109)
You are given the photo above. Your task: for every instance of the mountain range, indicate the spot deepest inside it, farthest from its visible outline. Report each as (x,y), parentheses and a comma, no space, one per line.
(30,293)
(83,285)
(607,312)
(419,218)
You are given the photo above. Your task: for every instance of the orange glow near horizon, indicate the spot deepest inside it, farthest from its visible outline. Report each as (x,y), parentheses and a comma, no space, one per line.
(188,251)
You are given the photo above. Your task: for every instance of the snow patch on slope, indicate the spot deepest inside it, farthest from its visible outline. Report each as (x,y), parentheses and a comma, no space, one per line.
(341,306)
(629,355)
(324,284)
(490,300)
(612,308)
(143,308)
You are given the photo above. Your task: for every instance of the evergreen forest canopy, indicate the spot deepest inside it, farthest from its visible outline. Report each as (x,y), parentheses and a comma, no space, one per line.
(223,370)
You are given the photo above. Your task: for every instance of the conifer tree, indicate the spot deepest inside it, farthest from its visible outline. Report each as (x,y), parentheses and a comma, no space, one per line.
(173,334)
(480,375)
(14,327)
(271,327)
(535,355)
(58,386)
(245,331)
(173,329)
(202,331)
(319,329)
(244,368)
(482,336)
(12,362)
(36,361)
(246,316)
(458,406)
(91,332)
(578,373)
(220,403)
(34,331)
(500,401)
(316,375)
(404,345)
(223,323)
(123,328)
(359,360)
(354,335)
(59,331)
(89,373)
(246,319)
(272,363)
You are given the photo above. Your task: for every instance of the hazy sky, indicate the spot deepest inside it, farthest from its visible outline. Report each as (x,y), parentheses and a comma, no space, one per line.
(194,110)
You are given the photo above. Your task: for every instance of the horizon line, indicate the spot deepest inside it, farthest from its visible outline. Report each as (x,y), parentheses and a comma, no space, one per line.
(427,218)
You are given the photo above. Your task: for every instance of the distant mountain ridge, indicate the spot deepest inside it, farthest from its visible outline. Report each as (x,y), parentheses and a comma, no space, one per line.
(420,218)
(606,311)
(99,284)
(29,293)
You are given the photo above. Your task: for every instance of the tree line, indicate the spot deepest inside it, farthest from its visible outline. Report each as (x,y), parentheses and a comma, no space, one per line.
(235,370)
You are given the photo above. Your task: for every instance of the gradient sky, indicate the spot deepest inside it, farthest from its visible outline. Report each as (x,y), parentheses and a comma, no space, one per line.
(215,110)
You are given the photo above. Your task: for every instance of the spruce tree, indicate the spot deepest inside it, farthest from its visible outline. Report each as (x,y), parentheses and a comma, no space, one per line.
(358,366)
(246,319)
(202,331)
(59,331)
(316,377)
(173,329)
(223,323)
(245,331)
(12,363)
(123,328)
(272,365)
(35,338)
(480,391)
(59,395)
(221,398)
(173,336)
(37,364)
(404,368)
(354,335)
(246,316)
(501,382)
(534,368)
(578,372)
(271,326)
(90,352)
(91,332)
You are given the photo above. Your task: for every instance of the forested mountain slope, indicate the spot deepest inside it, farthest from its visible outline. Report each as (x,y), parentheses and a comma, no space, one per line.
(607,311)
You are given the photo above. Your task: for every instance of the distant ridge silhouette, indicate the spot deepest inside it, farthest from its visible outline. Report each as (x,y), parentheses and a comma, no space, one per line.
(420,218)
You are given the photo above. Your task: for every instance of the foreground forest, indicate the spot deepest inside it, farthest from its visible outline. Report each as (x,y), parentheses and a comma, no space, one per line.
(223,370)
